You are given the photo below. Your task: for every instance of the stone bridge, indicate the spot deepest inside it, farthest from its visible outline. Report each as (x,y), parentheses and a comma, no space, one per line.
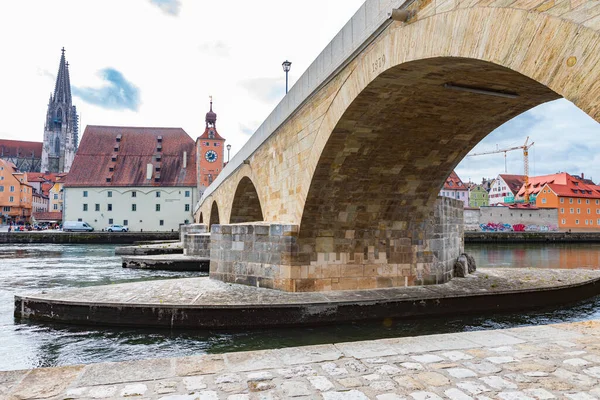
(345,173)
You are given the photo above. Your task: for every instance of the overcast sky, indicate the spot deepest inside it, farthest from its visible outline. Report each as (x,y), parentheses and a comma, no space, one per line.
(155,62)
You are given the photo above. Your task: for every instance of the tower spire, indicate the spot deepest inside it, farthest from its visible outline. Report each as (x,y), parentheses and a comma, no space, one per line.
(62,88)
(211,116)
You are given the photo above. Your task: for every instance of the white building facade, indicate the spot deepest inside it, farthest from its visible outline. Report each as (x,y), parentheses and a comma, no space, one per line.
(139,208)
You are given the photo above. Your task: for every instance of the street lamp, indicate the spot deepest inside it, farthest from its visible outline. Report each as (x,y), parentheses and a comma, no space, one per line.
(228,148)
(286,68)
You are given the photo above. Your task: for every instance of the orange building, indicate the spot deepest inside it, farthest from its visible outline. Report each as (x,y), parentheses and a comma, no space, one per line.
(209,152)
(15,194)
(577,200)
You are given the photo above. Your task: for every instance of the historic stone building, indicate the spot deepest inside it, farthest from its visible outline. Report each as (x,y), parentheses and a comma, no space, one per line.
(61,127)
(209,152)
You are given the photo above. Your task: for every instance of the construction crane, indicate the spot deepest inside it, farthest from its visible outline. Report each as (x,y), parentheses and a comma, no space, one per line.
(525,149)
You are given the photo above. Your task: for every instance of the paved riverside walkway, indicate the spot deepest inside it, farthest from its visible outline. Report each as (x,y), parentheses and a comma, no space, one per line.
(207,303)
(559,361)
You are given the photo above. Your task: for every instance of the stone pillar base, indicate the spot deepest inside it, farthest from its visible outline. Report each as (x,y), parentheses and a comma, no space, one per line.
(271,255)
(195,240)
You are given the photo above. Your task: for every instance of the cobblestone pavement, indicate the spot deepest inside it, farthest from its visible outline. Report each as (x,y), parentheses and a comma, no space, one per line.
(541,362)
(205,291)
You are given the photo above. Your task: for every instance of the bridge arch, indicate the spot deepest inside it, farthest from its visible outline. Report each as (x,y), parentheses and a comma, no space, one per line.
(246,205)
(214,215)
(411,108)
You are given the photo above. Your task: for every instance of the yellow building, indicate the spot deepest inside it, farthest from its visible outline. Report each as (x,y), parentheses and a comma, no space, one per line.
(56,195)
(15,194)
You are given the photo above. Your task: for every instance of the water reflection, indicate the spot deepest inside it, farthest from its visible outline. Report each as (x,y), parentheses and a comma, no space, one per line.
(27,345)
(537,255)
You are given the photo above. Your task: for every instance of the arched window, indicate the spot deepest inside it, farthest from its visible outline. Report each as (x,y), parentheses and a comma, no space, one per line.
(58,119)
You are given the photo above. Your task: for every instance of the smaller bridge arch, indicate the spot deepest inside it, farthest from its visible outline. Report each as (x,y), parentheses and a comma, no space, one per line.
(214,215)
(246,206)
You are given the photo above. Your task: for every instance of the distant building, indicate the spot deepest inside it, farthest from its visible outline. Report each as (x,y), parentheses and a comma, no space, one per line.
(61,129)
(42,183)
(456,189)
(15,194)
(578,202)
(210,152)
(56,196)
(144,178)
(505,188)
(26,156)
(478,196)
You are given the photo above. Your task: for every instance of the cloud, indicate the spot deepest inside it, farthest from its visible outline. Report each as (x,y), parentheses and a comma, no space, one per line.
(249,128)
(218,48)
(268,90)
(117,95)
(46,73)
(171,7)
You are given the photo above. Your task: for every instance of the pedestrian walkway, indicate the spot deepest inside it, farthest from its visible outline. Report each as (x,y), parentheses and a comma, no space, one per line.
(539,362)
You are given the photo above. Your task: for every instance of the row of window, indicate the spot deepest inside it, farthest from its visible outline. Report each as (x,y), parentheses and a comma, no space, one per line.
(111,221)
(109,207)
(133,193)
(586,221)
(572,211)
(587,201)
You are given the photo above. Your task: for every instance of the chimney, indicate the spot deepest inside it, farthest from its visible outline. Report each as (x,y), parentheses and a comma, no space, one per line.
(185,159)
(149,169)
(582,177)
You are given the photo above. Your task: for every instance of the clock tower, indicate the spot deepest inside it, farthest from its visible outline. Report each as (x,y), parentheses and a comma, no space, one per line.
(209,152)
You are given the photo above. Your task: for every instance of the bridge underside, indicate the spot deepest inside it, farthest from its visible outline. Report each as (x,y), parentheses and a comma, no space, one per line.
(370,218)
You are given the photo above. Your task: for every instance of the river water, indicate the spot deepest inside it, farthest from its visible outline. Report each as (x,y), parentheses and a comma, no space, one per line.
(33,268)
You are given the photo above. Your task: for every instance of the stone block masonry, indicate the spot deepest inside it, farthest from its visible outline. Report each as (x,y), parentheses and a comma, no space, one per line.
(271,255)
(196,240)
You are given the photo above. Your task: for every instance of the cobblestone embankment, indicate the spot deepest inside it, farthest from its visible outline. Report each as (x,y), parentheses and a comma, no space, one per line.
(539,362)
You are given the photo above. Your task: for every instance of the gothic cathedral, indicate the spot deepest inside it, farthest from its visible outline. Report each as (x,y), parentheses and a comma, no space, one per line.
(209,152)
(62,125)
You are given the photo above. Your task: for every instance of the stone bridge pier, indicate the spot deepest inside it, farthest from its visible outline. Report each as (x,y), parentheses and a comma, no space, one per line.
(338,188)
(276,256)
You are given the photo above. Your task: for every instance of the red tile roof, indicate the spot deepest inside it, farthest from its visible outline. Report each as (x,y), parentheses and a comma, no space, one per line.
(20,148)
(453,182)
(563,184)
(44,177)
(514,182)
(127,151)
(47,216)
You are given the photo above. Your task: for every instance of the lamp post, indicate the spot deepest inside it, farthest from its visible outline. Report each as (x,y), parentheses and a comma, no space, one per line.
(228,148)
(286,68)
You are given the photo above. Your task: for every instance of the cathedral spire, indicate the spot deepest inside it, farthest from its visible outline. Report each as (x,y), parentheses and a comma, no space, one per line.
(62,89)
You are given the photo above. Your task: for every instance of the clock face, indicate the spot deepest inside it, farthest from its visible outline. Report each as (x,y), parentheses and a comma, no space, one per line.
(211,156)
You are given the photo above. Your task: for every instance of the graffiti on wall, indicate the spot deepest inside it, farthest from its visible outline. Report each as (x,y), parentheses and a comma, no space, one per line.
(497,227)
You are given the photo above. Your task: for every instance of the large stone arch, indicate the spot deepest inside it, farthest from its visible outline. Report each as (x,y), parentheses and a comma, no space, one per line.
(214,215)
(246,203)
(402,120)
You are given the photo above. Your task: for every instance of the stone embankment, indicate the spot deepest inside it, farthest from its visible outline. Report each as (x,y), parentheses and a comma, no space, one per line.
(150,249)
(542,237)
(538,362)
(84,237)
(208,303)
(167,262)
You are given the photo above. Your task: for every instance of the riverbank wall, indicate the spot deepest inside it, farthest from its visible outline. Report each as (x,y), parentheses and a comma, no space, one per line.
(85,237)
(532,237)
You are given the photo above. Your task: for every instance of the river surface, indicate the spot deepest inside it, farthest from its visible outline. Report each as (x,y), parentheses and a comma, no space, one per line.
(33,268)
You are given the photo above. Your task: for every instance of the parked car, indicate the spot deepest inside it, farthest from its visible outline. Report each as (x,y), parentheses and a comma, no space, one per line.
(117,228)
(72,226)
